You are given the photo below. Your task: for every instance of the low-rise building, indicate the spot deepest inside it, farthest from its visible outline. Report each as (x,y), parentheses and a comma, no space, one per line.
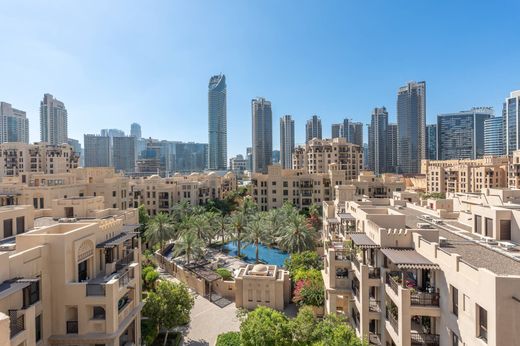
(262,285)
(403,282)
(71,283)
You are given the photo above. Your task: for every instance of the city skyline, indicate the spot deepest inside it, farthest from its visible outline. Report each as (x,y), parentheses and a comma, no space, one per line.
(337,83)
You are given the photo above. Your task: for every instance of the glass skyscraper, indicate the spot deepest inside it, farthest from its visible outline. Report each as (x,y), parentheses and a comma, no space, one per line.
(378,141)
(461,135)
(286,141)
(262,120)
(217,123)
(411,126)
(431,142)
(494,136)
(313,128)
(53,121)
(512,119)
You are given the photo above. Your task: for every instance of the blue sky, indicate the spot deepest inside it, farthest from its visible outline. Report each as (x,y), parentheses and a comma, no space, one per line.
(116,62)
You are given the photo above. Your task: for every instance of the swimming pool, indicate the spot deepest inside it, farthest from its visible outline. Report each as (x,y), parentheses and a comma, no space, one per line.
(266,254)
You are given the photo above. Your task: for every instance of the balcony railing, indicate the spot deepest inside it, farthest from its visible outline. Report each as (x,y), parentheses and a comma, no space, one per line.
(424,339)
(72,327)
(374,273)
(355,260)
(95,290)
(124,279)
(126,260)
(17,322)
(392,318)
(355,289)
(374,305)
(392,282)
(424,298)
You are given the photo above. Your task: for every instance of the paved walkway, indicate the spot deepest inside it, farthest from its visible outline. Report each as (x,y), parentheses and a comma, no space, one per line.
(207,319)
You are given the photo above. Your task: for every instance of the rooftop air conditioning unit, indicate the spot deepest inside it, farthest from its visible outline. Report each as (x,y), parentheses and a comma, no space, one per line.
(443,242)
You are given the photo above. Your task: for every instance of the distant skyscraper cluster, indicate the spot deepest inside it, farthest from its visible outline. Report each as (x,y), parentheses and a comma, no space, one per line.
(313,128)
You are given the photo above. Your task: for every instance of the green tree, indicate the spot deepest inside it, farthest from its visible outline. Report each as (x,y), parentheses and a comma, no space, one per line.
(169,306)
(228,339)
(298,236)
(143,218)
(238,225)
(220,224)
(266,327)
(256,234)
(160,230)
(302,327)
(199,223)
(334,331)
(189,245)
(304,260)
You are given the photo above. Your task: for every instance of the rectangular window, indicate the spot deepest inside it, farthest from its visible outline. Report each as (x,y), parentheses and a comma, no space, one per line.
(482,330)
(31,294)
(20,224)
(454,300)
(8,228)
(38,327)
(454,339)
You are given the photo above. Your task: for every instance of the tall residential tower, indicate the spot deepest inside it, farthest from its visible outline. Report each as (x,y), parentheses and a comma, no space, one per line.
(313,128)
(53,121)
(262,120)
(377,141)
(286,141)
(217,123)
(411,126)
(14,125)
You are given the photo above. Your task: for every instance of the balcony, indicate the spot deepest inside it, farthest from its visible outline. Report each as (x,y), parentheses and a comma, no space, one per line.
(95,290)
(374,305)
(17,322)
(355,261)
(72,327)
(420,298)
(374,273)
(392,317)
(422,339)
(125,261)
(391,280)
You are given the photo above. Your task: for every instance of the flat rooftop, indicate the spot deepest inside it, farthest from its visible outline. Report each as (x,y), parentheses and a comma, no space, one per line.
(478,255)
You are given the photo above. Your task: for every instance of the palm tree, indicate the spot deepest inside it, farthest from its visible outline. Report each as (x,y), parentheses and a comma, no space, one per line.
(238,224)
(188,244)
(298,236)
(220,223)
(256,234)
(160,229)
(201,226)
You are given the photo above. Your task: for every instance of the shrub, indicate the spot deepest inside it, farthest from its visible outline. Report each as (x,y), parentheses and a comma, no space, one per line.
(265,326)
(228,339)
(309,292)
(304,260)
(226,274)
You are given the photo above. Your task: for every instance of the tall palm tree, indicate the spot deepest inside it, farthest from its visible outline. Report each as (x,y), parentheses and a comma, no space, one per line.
(220,223)
(298,236)
(200,225)
(160,229)
(188,244)
(255,234)
(238,224)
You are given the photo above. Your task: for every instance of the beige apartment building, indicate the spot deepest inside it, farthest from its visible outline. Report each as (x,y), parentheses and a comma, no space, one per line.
(403,282)
(465,175)
(75,282)
(118,191)
(17,158)
(40,189)
(318,154)
(303,189)
(160,194)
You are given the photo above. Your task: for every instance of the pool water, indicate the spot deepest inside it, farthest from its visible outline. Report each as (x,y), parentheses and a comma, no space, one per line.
(266,254)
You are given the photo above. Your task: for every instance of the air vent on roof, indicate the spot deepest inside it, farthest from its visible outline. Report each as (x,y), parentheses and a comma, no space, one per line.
(67,220)
(443,242)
